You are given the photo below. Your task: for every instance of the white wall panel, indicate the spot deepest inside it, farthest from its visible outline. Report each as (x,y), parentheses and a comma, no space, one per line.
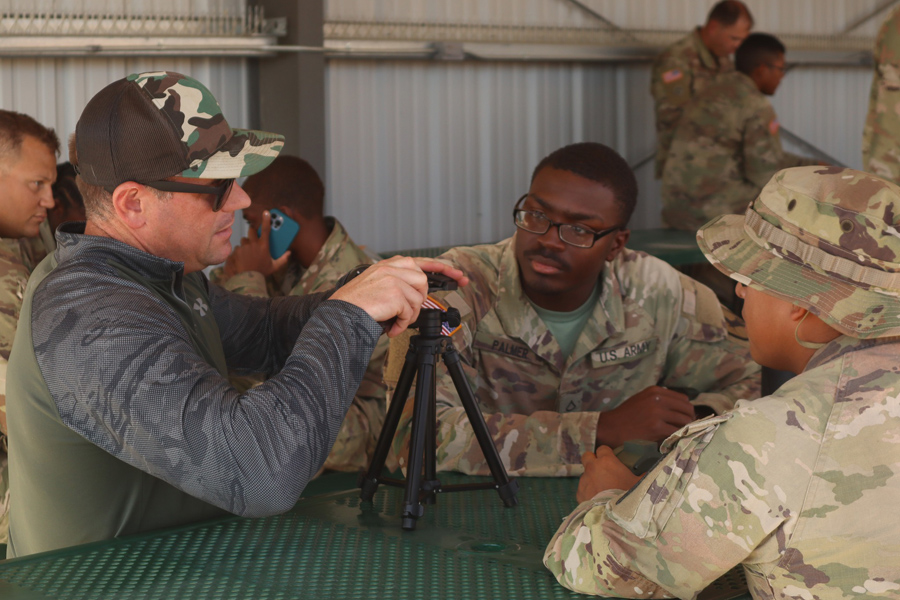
(426,154)
(822,17)
(827,107)
(125,7)
(54,91)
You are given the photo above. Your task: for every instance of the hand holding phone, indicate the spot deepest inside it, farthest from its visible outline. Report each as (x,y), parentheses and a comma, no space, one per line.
(284,230)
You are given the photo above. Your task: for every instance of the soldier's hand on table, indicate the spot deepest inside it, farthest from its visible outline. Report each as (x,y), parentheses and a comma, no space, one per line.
(652,414)
(603,471)
(253,254)
(393,290)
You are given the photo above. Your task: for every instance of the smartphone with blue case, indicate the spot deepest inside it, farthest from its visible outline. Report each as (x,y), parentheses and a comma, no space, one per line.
(284,230)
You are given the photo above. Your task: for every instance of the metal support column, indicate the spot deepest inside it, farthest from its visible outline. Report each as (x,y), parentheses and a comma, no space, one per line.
(291,86)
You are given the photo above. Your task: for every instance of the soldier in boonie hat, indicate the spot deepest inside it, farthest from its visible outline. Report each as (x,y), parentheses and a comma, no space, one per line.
(823,238)
(793,486)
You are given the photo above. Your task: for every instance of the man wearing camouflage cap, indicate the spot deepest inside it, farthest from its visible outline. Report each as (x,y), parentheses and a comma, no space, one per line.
(121,416)
(798,486)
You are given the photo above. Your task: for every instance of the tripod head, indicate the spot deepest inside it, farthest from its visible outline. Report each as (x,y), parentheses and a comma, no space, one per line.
(430,319)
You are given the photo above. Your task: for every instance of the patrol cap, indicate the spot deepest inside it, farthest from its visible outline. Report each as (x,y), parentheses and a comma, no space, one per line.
(823,238)
(150,126)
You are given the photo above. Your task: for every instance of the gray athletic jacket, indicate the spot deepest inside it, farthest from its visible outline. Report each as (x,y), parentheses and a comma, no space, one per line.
(120,414)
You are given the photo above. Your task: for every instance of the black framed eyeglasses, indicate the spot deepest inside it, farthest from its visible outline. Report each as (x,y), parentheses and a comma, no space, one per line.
(535,221)
(220,191)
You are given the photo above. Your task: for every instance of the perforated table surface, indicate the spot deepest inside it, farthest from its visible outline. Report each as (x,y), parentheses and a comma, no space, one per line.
(466,546)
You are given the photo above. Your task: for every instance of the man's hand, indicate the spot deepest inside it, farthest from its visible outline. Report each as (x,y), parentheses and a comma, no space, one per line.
(652,414)
(393,290)
(253,254)
(603,471)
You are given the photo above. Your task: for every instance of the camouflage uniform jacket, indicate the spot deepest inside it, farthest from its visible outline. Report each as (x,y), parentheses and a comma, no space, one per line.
(338,255)
(651,326)
(121,418)
(679,73)
(881,135)
(17,260)
(725,149)
(797,487)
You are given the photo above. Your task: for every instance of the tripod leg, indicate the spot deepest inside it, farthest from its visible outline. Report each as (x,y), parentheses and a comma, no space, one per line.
(506,487)
(369,482)
(431,483)
(412,508)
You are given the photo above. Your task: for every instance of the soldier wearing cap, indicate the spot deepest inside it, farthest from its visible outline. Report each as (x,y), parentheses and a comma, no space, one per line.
(121,416)
(691,64)
(570,340)
(27,170)
(319,255)
(796,487)
(881,135)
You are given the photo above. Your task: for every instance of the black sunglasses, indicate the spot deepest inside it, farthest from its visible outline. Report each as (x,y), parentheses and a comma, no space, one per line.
(220,191)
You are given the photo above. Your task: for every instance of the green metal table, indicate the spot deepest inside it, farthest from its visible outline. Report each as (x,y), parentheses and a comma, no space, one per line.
(466,546)
(671,245)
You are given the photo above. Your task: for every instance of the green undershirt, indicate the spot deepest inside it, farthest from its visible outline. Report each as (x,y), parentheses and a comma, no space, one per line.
(567,326)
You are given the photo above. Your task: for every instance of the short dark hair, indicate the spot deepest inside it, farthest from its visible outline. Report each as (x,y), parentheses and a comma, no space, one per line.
(289,181)
(757,49)
(598,163)
(727,12)
(14,126)
(65,190)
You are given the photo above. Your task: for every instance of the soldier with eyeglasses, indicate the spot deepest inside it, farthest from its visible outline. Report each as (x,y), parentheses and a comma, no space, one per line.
(570,340)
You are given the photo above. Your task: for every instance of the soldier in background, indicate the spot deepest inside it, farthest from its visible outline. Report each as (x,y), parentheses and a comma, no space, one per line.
(570,340)
(727,146)
(320,254)
(794,486)
(68,205)
(27,169)
(691,64)
(881,136)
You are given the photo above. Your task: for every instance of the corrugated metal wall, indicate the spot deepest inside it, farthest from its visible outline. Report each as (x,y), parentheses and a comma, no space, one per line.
(435,153)
(54,91)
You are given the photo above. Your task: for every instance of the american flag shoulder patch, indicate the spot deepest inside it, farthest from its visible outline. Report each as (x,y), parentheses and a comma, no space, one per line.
(672,75)
(774,126)
(433,303)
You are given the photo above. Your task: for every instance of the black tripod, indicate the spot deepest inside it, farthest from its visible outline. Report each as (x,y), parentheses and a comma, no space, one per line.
(420,359)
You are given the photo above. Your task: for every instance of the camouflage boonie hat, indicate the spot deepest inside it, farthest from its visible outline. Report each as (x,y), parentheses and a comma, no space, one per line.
(823,238)
(150,126)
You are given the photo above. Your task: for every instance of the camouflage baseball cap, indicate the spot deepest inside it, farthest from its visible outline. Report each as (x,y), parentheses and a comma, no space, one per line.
(823,238)
(150,126)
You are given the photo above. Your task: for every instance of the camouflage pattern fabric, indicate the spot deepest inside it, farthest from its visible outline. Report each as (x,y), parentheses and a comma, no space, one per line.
(214,148)
(683,70)
(724,151)
(652,326)
(17,260)
(881,135)
(835,257)
(796,487)
(338,255)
